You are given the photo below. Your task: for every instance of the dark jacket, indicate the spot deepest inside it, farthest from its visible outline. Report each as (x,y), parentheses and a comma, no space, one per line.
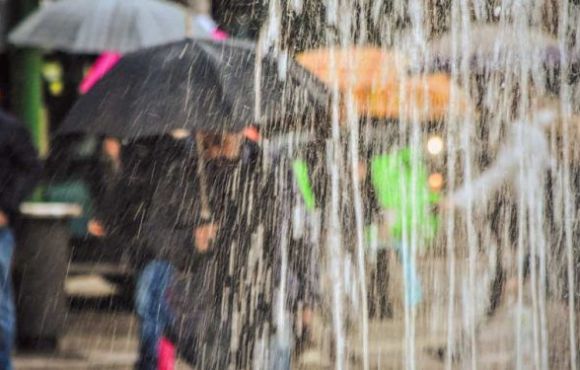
(20,168)
(103,180)
(203,295)
(125,206)
(157,202)
(175,206)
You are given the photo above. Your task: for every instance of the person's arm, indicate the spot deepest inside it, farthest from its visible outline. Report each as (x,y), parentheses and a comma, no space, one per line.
(26,169)
(112,206)
(527,144)
(3,219)
(502,170)
(488,182)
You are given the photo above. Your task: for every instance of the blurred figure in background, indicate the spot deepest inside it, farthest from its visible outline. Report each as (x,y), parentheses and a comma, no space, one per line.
(84,170)
(20,170)
(404,217)
(294,231)
(103,182)
(523,160)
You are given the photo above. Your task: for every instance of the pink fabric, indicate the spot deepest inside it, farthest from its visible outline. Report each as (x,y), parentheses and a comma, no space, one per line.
(219,35)
(104,63)
(166,355)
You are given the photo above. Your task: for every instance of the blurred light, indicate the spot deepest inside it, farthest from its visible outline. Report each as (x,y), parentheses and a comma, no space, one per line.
(56,88)
(52,71)
(435,181)
(180,133)
(435,145)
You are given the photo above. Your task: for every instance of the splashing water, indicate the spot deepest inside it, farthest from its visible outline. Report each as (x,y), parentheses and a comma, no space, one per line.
(426,217)
(503,259)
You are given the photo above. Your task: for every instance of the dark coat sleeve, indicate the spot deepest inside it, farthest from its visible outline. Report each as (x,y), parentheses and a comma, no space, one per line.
(24,168)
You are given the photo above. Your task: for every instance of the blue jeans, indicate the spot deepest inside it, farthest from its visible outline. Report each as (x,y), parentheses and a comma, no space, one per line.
(281,347)
(7,312)
(413,290)
(153,311)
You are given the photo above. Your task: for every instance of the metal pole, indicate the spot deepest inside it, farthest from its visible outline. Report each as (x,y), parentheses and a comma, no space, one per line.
(199,6)
(26,81)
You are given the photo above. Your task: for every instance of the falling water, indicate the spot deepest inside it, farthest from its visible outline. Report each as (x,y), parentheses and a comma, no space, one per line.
(333,241)
(509,219)
(483,96)
(360,248)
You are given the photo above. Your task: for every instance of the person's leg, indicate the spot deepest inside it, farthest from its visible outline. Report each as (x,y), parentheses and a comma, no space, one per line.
(372,293)
(204,340)
(281,345)
(7,312)
(412,282)
(497,285)
(386,310)
(152,310)
(282,338)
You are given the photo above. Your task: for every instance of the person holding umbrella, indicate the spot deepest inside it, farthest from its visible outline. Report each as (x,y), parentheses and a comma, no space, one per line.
(19,171)
(188,177)
(383,96)
(224,216)
(179,213)
(191,221)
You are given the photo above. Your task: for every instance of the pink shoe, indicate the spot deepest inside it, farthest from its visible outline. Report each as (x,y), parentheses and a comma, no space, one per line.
(166,355)
(219,35)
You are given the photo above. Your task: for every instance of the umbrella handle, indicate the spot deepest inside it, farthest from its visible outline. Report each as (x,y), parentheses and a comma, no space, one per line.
(205,209)
(188,21)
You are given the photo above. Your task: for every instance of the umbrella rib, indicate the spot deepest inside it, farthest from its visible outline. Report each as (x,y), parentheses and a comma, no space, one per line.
(188,92)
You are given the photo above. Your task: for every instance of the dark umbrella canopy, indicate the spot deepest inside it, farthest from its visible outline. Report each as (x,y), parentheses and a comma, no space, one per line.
(4,18)
(193,85)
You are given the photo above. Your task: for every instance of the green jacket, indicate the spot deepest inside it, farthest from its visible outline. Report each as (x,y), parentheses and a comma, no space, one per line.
(405,193)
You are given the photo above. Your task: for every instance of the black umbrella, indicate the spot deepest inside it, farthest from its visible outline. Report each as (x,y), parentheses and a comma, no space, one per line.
(192,85)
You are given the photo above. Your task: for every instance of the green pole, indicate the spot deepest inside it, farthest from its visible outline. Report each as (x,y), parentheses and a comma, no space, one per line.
(26,81)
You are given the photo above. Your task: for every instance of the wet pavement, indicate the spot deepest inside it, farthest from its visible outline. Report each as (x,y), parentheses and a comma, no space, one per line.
(95,339)
(103,333)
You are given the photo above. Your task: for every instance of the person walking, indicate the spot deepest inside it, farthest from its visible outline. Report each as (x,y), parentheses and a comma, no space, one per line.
(166,183)
(126,204)
(526,153)
(200,231)
(20,170)
(399,181)
(294,236)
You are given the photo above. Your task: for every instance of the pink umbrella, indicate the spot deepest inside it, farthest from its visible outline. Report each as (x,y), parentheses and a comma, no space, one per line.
(106,61)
